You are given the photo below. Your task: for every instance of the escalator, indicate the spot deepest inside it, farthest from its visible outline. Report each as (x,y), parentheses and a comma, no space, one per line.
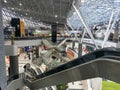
(103,63)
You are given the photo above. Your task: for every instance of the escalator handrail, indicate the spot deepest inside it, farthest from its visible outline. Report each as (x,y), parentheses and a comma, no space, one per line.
(80,60)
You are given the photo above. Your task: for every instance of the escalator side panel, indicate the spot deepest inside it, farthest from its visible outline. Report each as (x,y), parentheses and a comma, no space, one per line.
(109,70)
(77,73)
(88,66)
(102,67)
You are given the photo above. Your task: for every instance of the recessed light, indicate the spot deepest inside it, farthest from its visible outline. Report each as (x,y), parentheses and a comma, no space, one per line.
(20,4)
(56,16)
(12,8)
(5,1)
(82,1)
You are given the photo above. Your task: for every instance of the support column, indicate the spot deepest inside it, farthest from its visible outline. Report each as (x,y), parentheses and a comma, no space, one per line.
(84,84)
(115,36)
(116,33)
(14,73)
(54,33)
(79,49)
(11,50)
(37,51)
(15,22)
(83,36)
(73,44)
(3,78)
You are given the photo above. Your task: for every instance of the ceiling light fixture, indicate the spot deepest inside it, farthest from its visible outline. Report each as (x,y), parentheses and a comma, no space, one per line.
(82,1)
(56,16)
(20,4)
(12,8)
(5,1)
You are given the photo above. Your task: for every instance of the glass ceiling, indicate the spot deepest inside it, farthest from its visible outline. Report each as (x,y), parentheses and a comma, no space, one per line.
(95,11)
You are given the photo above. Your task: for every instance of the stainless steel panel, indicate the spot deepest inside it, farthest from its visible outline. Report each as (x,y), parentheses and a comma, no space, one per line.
(105,68)
(16,84)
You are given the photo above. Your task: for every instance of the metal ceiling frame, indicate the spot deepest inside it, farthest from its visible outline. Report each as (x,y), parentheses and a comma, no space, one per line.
(49,11)
(85,24)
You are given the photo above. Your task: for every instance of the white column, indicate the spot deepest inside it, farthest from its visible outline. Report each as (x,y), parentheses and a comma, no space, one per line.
(3,78)
(96,83)
(109,28)
(85,24)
